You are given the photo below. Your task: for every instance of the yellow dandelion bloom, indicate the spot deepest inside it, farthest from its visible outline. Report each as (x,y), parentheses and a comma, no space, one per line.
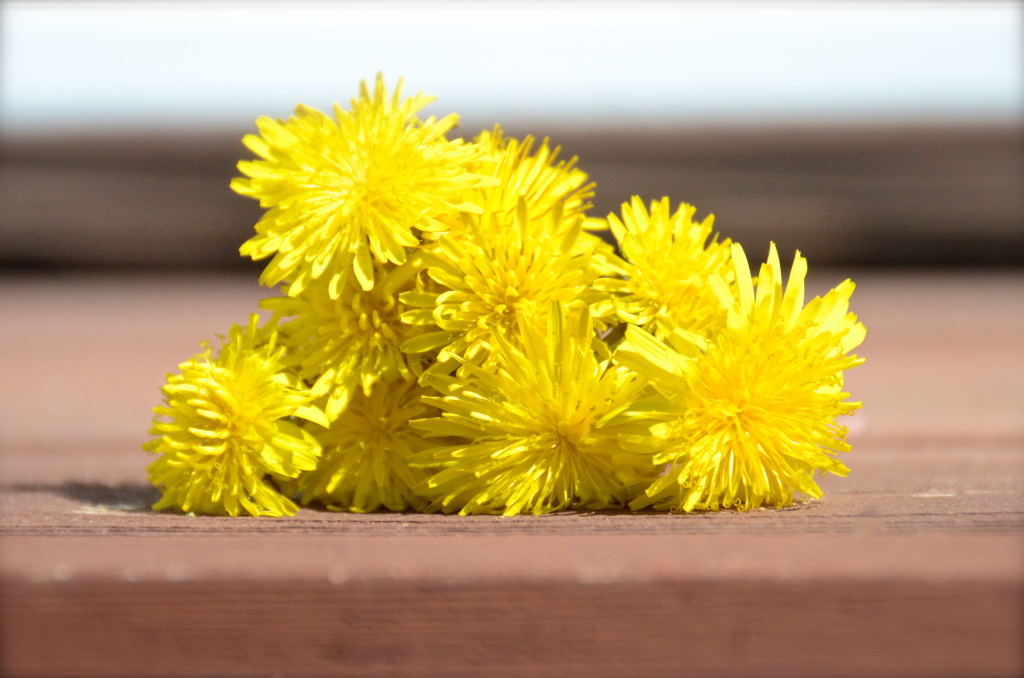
(541,180)
(496,276)
(551,428)
(225,427)
(366,452)
(753,413)
(668,260)
(346,191)
(538,177)
(350,341)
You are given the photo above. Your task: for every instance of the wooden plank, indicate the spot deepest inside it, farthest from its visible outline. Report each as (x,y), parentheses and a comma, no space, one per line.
(914,565)
(536,628)
(927,193)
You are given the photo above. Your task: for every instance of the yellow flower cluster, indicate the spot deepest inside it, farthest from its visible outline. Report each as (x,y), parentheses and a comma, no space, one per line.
(454,334)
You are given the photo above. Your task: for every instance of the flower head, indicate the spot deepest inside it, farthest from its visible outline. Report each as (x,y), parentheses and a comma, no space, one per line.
(522,171)
(351,341)
(346,191)
(366,452)
(501,272)
(668,260)
(751,413)
(225,428)
(550,429)
(538,177)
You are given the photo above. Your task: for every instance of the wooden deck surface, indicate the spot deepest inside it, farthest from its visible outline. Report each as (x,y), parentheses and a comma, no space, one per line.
(912,566)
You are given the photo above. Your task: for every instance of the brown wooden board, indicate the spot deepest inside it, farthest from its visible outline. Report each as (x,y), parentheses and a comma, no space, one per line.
(886,193)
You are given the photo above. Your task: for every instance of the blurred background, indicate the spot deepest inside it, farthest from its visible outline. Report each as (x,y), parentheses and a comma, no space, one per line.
(862,133)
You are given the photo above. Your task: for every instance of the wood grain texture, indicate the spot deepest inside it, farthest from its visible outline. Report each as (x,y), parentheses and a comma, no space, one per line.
(534,628)
(912,566)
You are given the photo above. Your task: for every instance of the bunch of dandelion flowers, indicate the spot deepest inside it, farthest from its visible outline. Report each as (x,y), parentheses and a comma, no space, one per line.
(552,427)
(366,450)
(504,270)
(353,340)
(753,413)
(668,259)
(344,192)
(226,426)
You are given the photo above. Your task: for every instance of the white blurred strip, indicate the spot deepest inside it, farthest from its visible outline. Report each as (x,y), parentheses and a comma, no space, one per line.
(77,64)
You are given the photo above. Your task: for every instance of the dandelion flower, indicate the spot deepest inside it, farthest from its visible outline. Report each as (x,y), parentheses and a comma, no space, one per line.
(225,427)
(668,260)
(538,177)
(353,340)
(366,452)
(497,275)
(346,191)
(550,429)
(754,409)
(535,175)
(543,181)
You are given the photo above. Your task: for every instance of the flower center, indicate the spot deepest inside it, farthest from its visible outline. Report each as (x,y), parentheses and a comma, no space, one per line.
(569,433)
(371,315)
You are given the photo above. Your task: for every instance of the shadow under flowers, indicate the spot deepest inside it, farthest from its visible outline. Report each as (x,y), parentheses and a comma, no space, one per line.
(121,497)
